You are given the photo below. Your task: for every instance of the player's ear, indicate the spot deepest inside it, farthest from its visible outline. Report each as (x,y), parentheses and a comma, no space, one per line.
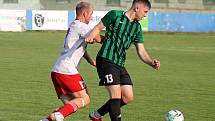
(135,8)
(84,13)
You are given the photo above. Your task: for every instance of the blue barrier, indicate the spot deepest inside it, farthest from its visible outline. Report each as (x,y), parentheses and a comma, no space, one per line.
(29,19)
(181,22)
(163,21)
(71,17)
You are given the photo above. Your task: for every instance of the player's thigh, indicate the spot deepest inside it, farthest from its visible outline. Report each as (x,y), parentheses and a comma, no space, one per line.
(80,94)
(125,78)
(74,83)
(127,93)
(66,98)
(109,74)
(67,84)
(114,91)
(81,98)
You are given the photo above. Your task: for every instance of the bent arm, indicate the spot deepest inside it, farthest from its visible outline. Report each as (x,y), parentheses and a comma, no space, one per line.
(93,36)
(142,53)
(89,59)
(99,38)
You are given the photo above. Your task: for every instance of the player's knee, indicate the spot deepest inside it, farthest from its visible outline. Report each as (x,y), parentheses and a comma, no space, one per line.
(85,100)
(127,99)
(66,98)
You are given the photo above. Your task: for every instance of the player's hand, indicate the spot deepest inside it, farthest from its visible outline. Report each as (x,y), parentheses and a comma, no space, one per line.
(89,40)
(156,64)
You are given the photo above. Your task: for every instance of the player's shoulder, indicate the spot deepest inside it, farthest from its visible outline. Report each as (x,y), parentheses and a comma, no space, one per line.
(138,23)
(116,12)
(78,24)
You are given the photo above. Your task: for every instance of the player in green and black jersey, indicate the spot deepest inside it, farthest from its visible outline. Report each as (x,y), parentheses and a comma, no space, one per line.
(122,29)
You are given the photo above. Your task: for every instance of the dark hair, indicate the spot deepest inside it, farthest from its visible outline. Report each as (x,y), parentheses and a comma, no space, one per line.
(81,6)
(145,2)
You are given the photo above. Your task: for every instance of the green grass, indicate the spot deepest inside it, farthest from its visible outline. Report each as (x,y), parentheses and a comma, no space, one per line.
(186,80)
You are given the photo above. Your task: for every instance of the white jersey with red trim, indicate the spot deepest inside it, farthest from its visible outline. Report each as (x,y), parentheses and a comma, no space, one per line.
(73,50)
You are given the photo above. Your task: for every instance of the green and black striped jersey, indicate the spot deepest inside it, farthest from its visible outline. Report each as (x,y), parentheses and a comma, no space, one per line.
(120,34)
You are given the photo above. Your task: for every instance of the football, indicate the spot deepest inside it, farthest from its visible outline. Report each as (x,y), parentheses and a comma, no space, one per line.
(174,115)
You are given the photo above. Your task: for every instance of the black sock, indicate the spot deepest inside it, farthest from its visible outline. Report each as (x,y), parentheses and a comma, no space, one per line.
(122,103)
(105,108)
(114,109)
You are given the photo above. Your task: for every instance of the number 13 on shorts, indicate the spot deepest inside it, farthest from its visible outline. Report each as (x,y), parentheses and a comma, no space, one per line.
(109,78)
(82,84)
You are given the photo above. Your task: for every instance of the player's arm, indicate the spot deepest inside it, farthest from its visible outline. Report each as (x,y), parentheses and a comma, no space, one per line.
(94,34)
(89,59)
(145,57)
(99,38)
(107,20)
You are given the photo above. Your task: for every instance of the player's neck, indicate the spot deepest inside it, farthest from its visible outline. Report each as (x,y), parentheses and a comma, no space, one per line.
(81,19)
(130,14)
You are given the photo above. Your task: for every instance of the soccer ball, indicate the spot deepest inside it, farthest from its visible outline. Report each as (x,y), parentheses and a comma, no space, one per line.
(174,115)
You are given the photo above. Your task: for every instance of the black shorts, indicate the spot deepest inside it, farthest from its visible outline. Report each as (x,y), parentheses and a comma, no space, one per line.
(111,74)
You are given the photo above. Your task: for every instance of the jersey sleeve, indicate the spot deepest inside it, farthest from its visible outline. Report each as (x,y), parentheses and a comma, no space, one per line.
(84,30)
(139,36)
(109,17)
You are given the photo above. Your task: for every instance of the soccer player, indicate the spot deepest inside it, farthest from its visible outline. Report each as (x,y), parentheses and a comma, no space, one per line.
(122,29)
(68,83)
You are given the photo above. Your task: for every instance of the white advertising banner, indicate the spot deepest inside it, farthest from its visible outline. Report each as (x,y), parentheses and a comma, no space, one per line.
(12,20)
(49,20)
(96,17)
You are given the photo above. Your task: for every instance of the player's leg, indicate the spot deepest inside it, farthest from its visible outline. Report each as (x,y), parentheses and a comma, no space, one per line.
(78,98)
(81,98)
(127,97)
(73,102)
(109,75)
(71,90)
(112,105)
(59,91)
(114,102)
(127,94)
(126,87)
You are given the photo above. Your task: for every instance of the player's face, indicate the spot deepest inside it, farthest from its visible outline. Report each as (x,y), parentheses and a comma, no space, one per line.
(142,12)
(89,15)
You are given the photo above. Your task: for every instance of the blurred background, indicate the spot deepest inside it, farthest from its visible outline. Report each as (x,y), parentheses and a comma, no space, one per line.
(165,15)
(201,6)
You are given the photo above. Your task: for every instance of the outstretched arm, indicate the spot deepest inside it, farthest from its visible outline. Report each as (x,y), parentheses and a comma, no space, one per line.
(145,57)
(93,36)
(89,59)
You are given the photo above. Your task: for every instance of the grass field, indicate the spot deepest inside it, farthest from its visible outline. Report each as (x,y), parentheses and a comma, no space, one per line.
(186,80)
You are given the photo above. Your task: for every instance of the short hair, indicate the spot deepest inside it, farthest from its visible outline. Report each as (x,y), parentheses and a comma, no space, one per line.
(145,2)
(81,6)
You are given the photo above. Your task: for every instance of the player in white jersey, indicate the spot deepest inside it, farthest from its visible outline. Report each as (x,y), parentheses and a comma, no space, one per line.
(67,81)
